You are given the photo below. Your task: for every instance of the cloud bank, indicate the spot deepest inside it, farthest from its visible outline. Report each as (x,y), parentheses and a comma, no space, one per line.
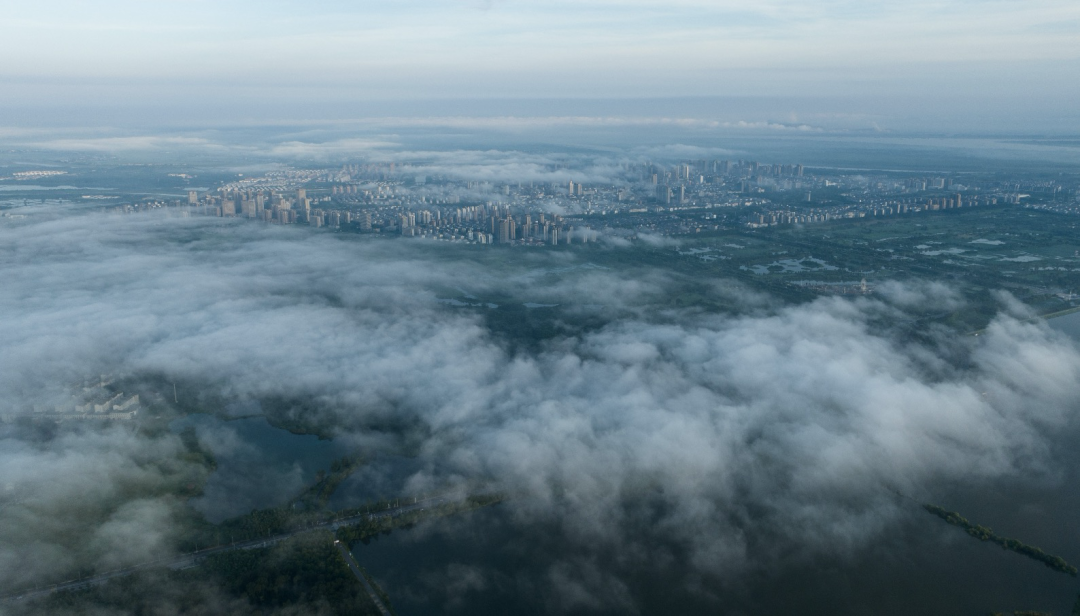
(745,440)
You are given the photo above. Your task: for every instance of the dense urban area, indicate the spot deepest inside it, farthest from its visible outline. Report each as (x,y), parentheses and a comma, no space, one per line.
(688,197)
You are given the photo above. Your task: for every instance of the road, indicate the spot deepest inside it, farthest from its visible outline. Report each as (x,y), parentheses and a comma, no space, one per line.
(184,561)
(355,567)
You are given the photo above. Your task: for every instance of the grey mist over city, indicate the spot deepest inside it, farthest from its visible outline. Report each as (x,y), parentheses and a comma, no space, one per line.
(539,308)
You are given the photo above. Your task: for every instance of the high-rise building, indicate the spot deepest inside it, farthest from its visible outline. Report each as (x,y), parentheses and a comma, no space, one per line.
(663,193)
(192,197)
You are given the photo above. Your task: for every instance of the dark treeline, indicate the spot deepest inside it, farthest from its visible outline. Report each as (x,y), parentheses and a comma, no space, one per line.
(318,495)
(305,511)
(379,592)
(983,533)
(304,571)
(365,530)
(303,575)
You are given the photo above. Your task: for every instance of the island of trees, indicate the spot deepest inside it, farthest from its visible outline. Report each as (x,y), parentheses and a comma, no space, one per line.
(983,533)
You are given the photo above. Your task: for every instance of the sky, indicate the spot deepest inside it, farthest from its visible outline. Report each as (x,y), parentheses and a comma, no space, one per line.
(1017,60)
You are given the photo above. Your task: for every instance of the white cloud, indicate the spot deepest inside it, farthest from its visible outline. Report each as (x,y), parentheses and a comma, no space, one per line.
(805,415)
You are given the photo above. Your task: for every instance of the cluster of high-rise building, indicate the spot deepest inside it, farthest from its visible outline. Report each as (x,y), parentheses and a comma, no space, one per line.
(781,216)
(686,197)
(487,223)
(490,224)
(270,206)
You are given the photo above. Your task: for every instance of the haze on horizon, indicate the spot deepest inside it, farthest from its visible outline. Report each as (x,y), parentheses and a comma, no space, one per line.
(974,66)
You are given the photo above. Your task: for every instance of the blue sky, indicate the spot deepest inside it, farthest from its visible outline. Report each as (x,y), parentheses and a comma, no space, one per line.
(346,51)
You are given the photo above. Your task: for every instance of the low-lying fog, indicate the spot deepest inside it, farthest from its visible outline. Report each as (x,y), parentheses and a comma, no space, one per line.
(715,446)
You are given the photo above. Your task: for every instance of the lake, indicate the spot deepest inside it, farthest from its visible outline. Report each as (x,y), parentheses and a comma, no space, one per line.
(258,466)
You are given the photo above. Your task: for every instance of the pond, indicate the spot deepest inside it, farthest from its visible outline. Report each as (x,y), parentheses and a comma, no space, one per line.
(258,466)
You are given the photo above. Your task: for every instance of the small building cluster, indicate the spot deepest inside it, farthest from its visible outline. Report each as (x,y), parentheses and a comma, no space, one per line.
(95,399)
